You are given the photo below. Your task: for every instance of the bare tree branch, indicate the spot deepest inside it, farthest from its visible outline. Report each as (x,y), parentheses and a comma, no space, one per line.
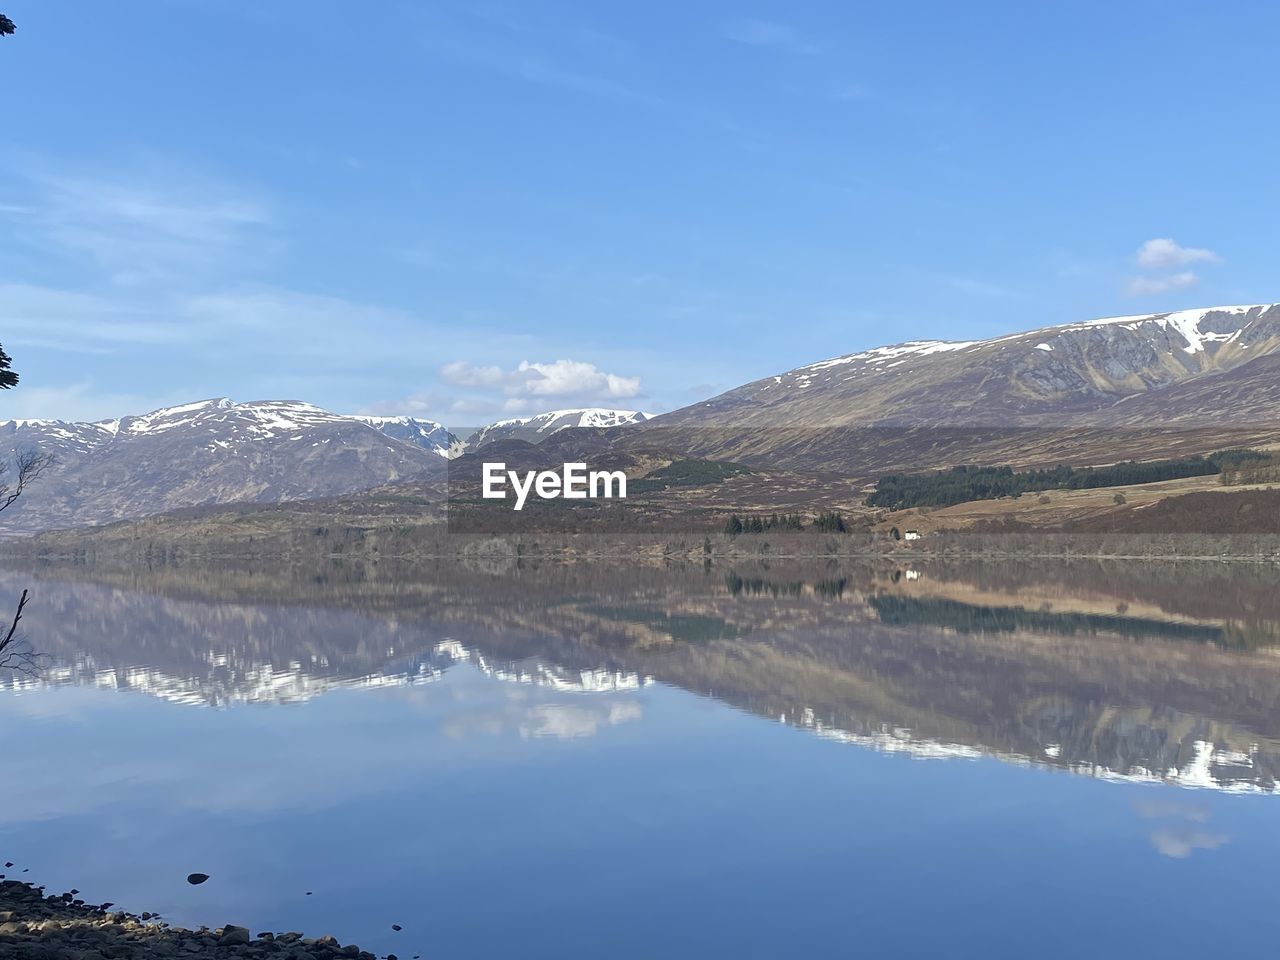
(30,464)
(16,653)
(13,627)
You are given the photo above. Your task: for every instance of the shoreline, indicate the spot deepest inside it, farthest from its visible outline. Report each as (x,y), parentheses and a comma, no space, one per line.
(55,926)
(640,548)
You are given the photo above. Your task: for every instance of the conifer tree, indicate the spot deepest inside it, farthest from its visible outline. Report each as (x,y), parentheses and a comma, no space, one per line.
(7,377)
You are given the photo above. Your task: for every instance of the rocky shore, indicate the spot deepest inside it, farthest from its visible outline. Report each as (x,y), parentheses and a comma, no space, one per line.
(63,927)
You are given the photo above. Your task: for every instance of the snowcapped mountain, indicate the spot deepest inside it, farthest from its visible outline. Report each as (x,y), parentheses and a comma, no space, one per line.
(1186,369)
(212,452)
(422,433)
(537,428)
(1073,368)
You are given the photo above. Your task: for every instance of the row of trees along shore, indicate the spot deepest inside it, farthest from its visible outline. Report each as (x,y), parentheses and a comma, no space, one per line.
(897,491)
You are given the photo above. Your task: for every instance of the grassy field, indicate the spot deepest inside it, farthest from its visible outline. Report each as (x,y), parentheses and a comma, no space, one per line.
(1055,509)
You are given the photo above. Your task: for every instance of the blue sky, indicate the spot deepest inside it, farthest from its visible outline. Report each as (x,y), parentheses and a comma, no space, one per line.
(471,210)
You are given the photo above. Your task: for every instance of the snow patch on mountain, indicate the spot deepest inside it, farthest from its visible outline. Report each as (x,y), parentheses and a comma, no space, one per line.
(1189,325)
(914,348)
(229,423)
(542,425)
(428,434)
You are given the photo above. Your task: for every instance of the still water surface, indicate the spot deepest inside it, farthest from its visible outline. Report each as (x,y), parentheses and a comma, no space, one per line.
(1077,760)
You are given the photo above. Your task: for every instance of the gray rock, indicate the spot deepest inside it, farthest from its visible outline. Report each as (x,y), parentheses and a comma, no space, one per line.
(232,935)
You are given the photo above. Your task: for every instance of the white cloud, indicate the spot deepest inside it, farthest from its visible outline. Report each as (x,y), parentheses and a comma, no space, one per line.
(1162,258)
(766,33)
(568,378)
(1145,286)
(481,392)
(1163,253)
(530,385)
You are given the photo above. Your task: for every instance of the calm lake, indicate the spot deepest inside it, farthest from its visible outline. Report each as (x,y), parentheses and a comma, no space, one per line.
(1005,760)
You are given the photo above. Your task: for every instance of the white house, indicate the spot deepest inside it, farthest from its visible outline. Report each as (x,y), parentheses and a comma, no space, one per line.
(911,535)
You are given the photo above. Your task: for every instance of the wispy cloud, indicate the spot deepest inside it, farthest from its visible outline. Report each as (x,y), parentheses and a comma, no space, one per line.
(85,400)
(1164,253)
(303,346)
(138,228)
(767,33)
(463,374)
(1162,260)
(582,61)
(83,322)
(539,71)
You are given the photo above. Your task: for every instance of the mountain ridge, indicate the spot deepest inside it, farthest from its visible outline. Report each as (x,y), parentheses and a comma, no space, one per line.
(212,451)
(1065,368)
(886,407)
(540,426)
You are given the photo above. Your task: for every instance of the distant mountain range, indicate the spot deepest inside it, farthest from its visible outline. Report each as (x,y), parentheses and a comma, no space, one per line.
(1093,392)
(213,452)
(221,452)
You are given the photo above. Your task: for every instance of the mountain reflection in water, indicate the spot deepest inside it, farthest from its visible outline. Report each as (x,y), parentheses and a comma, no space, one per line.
(1161,672)
(492,760)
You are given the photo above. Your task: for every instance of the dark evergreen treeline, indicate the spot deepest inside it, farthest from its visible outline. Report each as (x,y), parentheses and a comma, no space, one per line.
(829,521)
(775,521)
(898,491)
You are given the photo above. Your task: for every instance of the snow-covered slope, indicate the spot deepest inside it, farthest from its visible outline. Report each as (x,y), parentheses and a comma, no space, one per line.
(541,426)
(211,452)
(1192,367)
(423,433)
(1068,368)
